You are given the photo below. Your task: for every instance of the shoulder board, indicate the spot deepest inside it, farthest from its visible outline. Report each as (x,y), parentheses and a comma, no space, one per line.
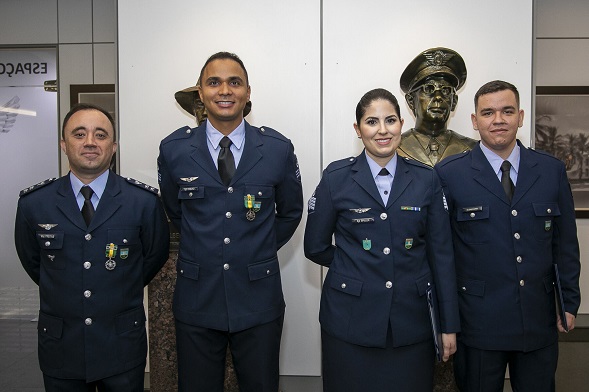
(32,188)
(452,158)
(414,162)
(544,153)
(141,185)
(336,165)
(180,133)
(267,131)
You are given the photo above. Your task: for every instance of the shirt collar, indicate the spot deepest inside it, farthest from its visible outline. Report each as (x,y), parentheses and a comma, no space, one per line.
(496,161)
(375,168)
(237,136)
(98,184)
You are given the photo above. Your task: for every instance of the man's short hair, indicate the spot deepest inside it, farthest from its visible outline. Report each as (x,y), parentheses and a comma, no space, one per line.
(87,106)
(493,87)
(224,56)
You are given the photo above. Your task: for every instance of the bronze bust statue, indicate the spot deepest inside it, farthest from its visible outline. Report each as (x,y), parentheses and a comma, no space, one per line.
(190,101)
(430,83)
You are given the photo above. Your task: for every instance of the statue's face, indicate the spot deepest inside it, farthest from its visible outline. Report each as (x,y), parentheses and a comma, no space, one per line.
(434,100)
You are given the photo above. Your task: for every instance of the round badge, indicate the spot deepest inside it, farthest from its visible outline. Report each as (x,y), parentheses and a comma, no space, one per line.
(110,264)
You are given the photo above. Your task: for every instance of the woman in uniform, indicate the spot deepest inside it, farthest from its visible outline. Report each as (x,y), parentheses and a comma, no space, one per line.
(378,222)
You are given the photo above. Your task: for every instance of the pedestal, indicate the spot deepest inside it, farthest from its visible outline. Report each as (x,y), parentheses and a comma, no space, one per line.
(163,366)
(444,377)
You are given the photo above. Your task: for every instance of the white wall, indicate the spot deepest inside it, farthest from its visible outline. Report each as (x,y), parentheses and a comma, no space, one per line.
(309,62)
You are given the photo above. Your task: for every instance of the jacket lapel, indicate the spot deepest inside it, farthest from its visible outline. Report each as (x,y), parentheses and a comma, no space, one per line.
(66,203)
(527,174)
(201,154)
(109,202)
(401,181)
(363,177)
(484,174)
(251,153)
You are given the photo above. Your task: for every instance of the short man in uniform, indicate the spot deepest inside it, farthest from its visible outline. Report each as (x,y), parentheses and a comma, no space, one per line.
(91,240)
(430,83)
(234,193)
(512,217)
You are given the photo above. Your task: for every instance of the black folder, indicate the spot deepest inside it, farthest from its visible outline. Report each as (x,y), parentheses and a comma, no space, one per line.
(434,317)
(559,299)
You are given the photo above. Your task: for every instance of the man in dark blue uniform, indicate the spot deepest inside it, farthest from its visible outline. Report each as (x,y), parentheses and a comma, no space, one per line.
(91,240)
(512,217)
(234,193)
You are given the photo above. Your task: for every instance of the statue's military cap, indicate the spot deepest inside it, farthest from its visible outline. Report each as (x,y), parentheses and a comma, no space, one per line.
(434,61)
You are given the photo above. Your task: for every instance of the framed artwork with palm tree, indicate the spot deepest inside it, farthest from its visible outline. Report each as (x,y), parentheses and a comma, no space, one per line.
(562,129)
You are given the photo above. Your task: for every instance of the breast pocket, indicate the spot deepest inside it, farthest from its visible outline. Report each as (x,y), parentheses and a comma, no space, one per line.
(51,245)
(471,222)
(126,245)
(544,222)
(191,192)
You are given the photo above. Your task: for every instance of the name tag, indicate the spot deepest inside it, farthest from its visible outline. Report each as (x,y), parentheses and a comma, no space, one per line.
(363,220)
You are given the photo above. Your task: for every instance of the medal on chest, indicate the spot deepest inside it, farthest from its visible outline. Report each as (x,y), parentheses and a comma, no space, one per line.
(111,251)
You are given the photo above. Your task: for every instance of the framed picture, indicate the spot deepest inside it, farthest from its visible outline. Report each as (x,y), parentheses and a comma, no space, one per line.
(562,129)
(102,95)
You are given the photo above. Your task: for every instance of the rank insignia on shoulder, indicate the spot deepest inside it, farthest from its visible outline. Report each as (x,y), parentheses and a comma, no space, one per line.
(142,185)
(39,185)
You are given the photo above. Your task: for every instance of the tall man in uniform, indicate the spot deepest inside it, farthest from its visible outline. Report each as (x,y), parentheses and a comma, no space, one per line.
(234,193)
(430,83)
(91,240)
(512,216)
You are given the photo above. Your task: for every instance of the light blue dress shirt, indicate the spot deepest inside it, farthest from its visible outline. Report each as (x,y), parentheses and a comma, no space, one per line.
(97,186)
(237,137)
(383,183)
(496,161)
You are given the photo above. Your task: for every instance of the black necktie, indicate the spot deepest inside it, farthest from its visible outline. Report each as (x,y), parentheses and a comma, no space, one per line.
(87,208)
(225,162)
(383,172)
(506,182)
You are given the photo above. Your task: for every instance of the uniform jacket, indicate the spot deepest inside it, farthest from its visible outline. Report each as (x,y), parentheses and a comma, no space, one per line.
(505,251)
(228,273)
(91,322)
(384,257)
